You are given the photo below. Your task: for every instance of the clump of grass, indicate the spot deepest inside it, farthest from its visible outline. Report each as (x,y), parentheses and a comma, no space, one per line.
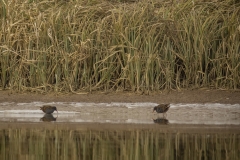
(114,45)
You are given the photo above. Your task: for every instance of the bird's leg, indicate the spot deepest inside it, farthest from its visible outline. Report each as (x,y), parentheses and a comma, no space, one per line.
(163,115)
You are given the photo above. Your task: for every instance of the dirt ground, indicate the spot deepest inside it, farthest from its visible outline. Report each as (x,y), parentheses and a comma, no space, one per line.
(183,96)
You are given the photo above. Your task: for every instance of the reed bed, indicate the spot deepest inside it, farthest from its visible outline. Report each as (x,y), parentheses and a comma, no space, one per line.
(142,46)
(62,144)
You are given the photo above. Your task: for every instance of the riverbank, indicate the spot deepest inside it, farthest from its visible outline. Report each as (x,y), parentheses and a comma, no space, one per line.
(183,96)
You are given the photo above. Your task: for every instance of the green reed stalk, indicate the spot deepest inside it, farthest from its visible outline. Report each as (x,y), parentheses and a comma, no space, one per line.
(105,45)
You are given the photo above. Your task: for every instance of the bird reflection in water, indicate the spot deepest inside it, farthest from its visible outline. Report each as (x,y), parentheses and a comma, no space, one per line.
(48,118)
(160,121)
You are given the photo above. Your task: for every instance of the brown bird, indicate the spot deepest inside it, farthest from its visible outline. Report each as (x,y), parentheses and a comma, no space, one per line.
(48,109)
(161,108)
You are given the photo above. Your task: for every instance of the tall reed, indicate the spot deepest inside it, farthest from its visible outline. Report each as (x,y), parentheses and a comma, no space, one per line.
(105,45)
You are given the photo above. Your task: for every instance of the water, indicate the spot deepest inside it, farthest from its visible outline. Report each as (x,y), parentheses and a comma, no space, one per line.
(47,141)
(106,131)
(208,114)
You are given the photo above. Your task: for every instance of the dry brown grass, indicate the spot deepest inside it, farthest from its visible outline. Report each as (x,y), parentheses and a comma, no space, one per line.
(141,46)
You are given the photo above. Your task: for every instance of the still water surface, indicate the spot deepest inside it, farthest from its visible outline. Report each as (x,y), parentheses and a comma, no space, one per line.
(208,114)
(118,142)
(85,131)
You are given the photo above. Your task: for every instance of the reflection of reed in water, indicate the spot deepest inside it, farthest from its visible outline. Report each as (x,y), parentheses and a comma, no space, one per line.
(160,121)
(65,144)
(48,118)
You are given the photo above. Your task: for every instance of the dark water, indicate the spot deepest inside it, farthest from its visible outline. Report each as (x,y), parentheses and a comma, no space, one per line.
(50,141)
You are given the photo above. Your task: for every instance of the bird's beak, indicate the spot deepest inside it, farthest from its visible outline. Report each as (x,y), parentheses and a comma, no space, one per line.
(153,111)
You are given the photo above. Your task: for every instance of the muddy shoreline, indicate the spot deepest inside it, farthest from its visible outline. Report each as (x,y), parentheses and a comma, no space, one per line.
(183,96)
